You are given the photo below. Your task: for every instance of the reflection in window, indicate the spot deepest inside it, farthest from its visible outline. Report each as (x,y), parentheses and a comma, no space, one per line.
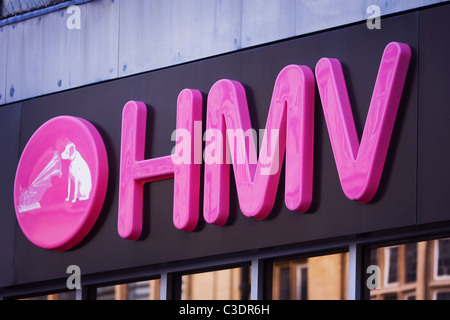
(302,282)
(285,283)
(411,262)
(291,280)
(139,290)
(414,270)
(373,257)
(226,284)
(322,277)
(106,293)
(391,262)
(390,296)
(142,290)
(68,295)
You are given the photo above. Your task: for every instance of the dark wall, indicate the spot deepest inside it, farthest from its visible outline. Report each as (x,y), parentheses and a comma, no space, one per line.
(433,125)
(413,187)
(10,148)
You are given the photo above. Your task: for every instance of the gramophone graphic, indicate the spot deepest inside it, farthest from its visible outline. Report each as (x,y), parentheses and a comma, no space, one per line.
(29,198)
(79,183)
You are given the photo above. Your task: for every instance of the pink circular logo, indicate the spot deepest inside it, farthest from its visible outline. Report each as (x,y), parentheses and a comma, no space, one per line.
(61,183)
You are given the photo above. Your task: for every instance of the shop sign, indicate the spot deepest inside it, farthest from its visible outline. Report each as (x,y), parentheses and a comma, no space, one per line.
(62,175)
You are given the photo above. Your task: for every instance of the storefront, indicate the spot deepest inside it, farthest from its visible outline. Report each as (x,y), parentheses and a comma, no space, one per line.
(141,216)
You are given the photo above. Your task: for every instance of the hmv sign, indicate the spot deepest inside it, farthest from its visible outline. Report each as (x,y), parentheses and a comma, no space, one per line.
(62,178)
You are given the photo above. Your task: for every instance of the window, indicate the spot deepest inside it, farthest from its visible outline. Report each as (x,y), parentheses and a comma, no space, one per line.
(285,283)
(106,293)
(442,259)
(139,290)
(322,277)
(10,8)
(373,257)
(293,281)
(391,265)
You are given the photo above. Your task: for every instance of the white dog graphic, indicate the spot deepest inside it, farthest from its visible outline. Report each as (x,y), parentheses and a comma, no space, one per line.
(79,174)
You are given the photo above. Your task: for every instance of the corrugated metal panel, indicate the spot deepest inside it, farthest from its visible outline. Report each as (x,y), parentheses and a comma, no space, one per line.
(101,38)
(45,56)
(270,20)
(74,50)
(13,34)
(267,20)
(120,38)
(37,61)
(155,34)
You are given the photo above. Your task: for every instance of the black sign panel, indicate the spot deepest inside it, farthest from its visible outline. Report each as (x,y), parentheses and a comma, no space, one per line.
(331,214)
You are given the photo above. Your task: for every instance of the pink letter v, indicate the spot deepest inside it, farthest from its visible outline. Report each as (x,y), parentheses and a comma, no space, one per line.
(360,165)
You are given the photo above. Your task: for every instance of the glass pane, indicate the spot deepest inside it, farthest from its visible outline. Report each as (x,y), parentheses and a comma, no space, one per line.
(69,295)
(411,262)
(142,290)
(106,293)
(226,284)
(392,265)
(138,290)
(320,277)
(285,283)
(302,283)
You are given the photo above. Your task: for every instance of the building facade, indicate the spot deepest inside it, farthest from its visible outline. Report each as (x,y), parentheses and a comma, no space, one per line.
(114,62)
